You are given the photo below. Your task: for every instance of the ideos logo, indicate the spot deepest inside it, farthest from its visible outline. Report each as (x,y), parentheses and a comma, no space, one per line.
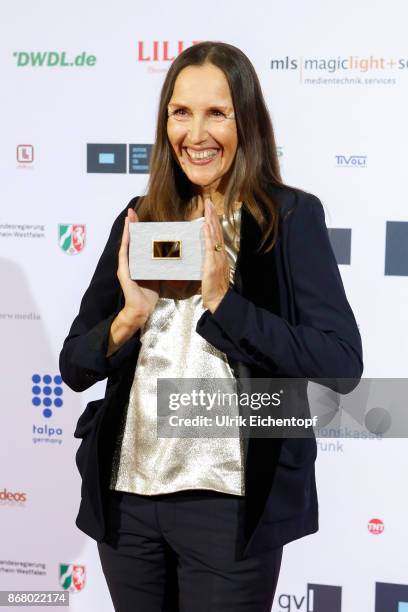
(50,59)
(391,597)
(161,50)
(8,496)
(319,598)
(47,394)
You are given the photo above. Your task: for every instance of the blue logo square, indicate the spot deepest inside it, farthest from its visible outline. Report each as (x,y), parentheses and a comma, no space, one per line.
(106,158)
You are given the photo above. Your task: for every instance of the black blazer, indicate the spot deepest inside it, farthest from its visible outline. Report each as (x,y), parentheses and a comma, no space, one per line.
(286,316)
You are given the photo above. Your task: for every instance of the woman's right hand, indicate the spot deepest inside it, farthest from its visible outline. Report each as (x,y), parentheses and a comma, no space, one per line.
(140,297)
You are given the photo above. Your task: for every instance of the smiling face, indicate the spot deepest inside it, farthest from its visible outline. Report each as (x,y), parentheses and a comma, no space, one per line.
(201,126)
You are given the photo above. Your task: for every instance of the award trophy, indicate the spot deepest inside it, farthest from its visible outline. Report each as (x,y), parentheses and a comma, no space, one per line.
(171,250)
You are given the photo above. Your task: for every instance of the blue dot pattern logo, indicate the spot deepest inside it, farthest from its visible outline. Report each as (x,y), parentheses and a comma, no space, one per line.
(47,392)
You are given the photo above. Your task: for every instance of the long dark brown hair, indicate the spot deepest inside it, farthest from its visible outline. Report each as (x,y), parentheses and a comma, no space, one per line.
(170,193)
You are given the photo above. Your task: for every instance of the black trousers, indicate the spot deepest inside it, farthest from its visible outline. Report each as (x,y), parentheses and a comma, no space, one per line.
(182,552)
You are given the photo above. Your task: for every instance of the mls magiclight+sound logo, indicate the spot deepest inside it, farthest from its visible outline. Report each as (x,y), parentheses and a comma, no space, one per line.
(47,395)
(318,598)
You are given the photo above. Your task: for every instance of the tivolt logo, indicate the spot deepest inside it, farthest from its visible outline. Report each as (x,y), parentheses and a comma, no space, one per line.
(391,597)
(47,393)
(52,59)
(351,161)
(318,598)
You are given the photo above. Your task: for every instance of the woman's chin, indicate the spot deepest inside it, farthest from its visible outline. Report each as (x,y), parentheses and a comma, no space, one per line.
(204,181)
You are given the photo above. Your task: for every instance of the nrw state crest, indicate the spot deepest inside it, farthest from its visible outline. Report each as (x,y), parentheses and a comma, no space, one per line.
(71,238)
(72,577)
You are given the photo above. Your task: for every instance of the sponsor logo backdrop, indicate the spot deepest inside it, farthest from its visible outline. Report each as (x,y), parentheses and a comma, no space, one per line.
(78,110)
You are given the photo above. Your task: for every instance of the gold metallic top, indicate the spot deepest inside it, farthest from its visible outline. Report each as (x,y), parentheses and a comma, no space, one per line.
(171,348)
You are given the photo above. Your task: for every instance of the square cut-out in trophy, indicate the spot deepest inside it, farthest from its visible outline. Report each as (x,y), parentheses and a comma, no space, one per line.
(161,250)
(166,249)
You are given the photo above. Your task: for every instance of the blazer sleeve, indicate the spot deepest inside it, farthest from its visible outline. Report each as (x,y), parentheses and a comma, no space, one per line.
(325,342)
(83,358)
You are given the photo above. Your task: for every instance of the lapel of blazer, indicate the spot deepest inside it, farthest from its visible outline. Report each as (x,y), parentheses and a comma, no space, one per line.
(255,274)
(255,279)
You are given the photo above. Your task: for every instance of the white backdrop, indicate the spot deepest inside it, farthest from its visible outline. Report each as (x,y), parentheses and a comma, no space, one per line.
(335,76)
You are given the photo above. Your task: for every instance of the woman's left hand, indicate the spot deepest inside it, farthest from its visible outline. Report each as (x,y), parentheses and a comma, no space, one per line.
(216,271)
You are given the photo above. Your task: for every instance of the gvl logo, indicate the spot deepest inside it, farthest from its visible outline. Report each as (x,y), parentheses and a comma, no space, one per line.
(112,158)
(391,597)
(352,161)
(319,598)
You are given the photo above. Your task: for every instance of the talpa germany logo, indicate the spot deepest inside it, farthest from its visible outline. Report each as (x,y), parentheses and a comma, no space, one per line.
(71,238)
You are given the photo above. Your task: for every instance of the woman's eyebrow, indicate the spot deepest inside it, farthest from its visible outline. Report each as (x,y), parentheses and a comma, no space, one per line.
(219,106)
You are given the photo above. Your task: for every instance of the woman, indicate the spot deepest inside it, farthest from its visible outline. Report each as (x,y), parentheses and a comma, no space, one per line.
(200,524)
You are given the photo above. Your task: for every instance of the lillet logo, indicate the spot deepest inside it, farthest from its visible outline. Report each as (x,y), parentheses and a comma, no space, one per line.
(161,50)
